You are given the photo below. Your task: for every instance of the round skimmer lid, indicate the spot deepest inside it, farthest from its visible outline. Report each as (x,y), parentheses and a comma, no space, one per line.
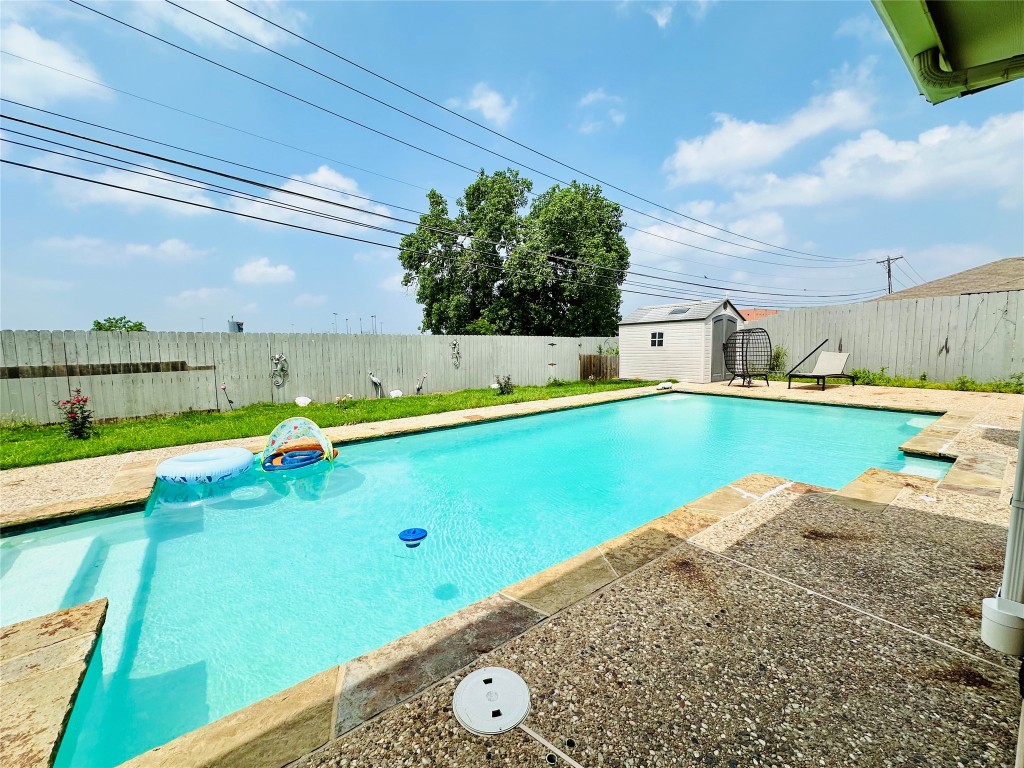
(491,700)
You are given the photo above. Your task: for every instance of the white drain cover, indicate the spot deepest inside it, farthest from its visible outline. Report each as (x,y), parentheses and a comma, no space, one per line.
(491,700)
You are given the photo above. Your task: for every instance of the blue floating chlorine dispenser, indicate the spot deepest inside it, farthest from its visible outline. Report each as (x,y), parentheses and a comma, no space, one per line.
(412,537)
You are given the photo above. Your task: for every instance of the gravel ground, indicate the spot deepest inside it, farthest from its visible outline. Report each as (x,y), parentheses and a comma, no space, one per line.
(697,661)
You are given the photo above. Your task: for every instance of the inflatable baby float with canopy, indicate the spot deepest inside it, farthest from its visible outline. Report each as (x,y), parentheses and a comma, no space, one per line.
(296,442)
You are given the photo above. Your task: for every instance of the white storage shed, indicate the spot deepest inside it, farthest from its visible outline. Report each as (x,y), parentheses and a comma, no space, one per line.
(677,341)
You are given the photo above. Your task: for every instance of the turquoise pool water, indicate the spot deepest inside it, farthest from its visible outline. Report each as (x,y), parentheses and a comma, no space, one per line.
(217,603)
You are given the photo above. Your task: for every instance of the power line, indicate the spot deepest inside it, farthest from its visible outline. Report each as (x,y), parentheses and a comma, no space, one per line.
(498,133)
(907,262)
(428,152)
(910,278)
(193,115)
(801,295)
(282,91)
(273,188)
(326,232)
(307,183)
(274,221)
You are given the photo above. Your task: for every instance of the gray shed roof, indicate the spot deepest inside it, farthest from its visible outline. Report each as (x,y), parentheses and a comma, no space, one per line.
(667,313)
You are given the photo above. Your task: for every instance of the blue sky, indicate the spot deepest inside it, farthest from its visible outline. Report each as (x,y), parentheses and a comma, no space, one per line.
(793,123)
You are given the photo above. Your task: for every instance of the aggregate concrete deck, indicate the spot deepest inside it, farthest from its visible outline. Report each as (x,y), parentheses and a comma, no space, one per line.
(826,635)
(42,663)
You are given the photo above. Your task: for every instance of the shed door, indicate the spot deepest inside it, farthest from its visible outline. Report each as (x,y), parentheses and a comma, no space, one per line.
(722,327)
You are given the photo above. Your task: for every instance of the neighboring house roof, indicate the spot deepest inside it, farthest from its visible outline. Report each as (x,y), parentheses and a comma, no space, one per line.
(681,312)
(757,314)
(1004,275)
(956,47)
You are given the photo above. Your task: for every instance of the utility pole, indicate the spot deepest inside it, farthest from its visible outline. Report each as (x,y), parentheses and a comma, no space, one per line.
(202,324)
(347,331)
(360,325)
(888,261)
(373,324)
(335,321)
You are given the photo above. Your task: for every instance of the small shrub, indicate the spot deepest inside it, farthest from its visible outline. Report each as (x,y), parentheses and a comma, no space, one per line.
(591,380)
(964,384)
(556,382)
(505,386)
(76,417)
(779,358)
(610,349)
(923,376)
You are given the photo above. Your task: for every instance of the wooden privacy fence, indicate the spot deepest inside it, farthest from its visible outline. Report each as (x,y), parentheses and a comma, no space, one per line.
(601,367)
(140,374)
(975,335)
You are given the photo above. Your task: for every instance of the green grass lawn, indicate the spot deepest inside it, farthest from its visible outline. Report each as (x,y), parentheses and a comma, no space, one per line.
(29,445)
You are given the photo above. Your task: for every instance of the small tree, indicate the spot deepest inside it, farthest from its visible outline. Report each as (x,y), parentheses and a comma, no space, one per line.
(121,323)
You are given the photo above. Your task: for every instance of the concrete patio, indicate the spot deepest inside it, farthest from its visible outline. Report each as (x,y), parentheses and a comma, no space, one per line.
(824,635)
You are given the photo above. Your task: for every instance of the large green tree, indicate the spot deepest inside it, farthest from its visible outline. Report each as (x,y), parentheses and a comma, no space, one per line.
(456,262)
(490,269)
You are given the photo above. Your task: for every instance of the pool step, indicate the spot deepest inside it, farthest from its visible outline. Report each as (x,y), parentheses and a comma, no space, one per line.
(43,662)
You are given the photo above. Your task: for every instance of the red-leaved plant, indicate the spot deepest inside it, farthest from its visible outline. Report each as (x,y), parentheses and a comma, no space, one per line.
(76,416)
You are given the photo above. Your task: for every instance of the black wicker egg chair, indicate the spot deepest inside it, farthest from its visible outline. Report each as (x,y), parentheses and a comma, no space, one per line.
(748,355)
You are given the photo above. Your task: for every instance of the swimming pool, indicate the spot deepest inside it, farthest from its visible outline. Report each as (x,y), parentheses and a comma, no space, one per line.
(217,604)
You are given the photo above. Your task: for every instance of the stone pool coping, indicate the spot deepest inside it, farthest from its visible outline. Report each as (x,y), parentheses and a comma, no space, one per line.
(42,665)
(133,476)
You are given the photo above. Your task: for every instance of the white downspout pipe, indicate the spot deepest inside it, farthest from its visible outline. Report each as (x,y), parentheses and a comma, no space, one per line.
(1002,616)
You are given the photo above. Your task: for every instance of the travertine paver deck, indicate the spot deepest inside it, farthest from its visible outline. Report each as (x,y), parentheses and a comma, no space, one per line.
(42,663)
(823,635)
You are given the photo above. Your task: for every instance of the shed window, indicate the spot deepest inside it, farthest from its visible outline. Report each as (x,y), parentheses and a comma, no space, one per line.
(657,339)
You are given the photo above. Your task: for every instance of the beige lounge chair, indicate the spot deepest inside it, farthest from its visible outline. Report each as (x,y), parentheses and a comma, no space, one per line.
(830,365)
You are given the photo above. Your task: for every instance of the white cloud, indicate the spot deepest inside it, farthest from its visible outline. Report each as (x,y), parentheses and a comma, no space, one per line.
(155,15)
(736,146)
(960,158)
(24,81)
(358,210)
(595,104)
(494,107)
(393,283)
(662,14)
(596,96)
(75,193)
(664,244)
(867,29)
(92,250)
(200,297)
(310,299)
(261,272)
(698,9)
